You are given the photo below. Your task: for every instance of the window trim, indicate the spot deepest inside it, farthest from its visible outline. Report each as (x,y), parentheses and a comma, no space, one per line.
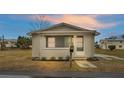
(46,38)
(50,42)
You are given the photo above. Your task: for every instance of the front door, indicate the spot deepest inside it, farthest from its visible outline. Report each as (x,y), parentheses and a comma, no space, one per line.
(79,46)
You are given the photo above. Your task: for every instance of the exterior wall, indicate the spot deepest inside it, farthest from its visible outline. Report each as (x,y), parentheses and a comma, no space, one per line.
(52,52)
(10,44)
(36,45)
(39,45)
(49,53)
(88,45)
(117,44)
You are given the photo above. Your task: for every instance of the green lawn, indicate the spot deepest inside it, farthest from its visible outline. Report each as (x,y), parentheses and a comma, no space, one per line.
(21,60)
(118,53)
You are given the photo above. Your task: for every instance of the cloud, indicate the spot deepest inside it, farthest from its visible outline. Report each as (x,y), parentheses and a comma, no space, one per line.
(85,21)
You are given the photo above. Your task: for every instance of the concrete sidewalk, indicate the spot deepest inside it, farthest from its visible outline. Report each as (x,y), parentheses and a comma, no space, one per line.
(108,57)
(85,64)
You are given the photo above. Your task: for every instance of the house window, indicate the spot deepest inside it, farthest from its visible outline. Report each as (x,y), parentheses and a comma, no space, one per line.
(57,41)
(120,46)
(51,42)
(79,42)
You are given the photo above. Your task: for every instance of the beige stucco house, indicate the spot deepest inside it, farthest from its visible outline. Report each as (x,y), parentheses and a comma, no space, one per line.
(118,43)
(54,42)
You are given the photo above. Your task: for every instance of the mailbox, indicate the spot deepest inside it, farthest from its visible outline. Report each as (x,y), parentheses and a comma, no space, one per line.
(71,49)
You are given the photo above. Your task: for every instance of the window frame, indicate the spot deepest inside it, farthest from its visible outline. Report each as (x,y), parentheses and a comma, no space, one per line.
(55,43)
(47,42)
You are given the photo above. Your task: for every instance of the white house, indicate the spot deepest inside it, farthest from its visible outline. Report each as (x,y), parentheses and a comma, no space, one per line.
(9,43)
(118,43)
(54,42)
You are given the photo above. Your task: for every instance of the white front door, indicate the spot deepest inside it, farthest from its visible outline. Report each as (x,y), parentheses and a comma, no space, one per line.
(79,46)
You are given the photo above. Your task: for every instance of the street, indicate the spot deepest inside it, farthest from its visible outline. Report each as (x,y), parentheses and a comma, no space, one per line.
(61,75)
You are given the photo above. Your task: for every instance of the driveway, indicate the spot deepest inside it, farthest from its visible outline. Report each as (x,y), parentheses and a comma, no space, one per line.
(108,57)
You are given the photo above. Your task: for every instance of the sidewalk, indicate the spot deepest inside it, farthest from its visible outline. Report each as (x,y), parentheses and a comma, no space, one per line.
(108,57)
(85,64)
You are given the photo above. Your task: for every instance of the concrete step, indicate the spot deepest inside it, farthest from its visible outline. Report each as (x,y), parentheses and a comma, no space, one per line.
(85,64)
(79,58)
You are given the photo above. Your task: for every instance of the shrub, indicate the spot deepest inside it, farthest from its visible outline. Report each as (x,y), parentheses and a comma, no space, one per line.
(111,47)
(44,58)
(67,57)
(35,58)
(93,59)
(60,58)
(53,58)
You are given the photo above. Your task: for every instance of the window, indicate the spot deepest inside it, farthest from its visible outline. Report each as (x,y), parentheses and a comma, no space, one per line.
(79,42)
(51,42)
(58,41)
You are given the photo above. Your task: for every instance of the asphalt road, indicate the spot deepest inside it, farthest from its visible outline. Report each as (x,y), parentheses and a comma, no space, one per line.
(60,75)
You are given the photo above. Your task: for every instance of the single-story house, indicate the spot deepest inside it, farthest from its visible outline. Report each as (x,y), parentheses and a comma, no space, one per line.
(118,43)
(54,42)
(9,43)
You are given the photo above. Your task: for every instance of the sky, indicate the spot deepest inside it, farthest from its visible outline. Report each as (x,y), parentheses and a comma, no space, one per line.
(14,25)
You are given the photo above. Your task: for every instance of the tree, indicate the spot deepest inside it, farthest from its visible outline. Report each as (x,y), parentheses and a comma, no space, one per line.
(2,43)
(24,42)
(39,23)
(96,45)
(122,36)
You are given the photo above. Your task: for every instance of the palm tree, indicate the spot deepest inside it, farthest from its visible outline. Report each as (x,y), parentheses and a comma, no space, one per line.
(23,42)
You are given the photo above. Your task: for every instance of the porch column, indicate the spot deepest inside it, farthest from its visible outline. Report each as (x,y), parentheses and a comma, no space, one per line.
(74,43)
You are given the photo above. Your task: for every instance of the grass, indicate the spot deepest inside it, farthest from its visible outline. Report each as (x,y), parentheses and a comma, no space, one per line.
(21,60)
(118,53)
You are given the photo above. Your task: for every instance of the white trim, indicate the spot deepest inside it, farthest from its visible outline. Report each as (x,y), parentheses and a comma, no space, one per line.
(41,36)
(52,32)
(78,53)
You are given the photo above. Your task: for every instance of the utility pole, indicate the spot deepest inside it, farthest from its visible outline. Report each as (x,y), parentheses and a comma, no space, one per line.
(2,43)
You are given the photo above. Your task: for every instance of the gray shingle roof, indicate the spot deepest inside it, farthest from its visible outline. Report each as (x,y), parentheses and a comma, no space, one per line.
(62,24)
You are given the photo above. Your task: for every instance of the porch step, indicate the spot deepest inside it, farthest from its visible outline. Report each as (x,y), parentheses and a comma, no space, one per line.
(79,58)
(85,64)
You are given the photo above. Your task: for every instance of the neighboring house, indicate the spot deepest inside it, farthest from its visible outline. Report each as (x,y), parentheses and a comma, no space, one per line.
(118,43)
(54,42)
(9,43)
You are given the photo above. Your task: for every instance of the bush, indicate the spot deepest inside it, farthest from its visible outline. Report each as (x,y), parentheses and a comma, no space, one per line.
(60,58)
(111,47)
(43,58)
(53,58)
(67,57)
